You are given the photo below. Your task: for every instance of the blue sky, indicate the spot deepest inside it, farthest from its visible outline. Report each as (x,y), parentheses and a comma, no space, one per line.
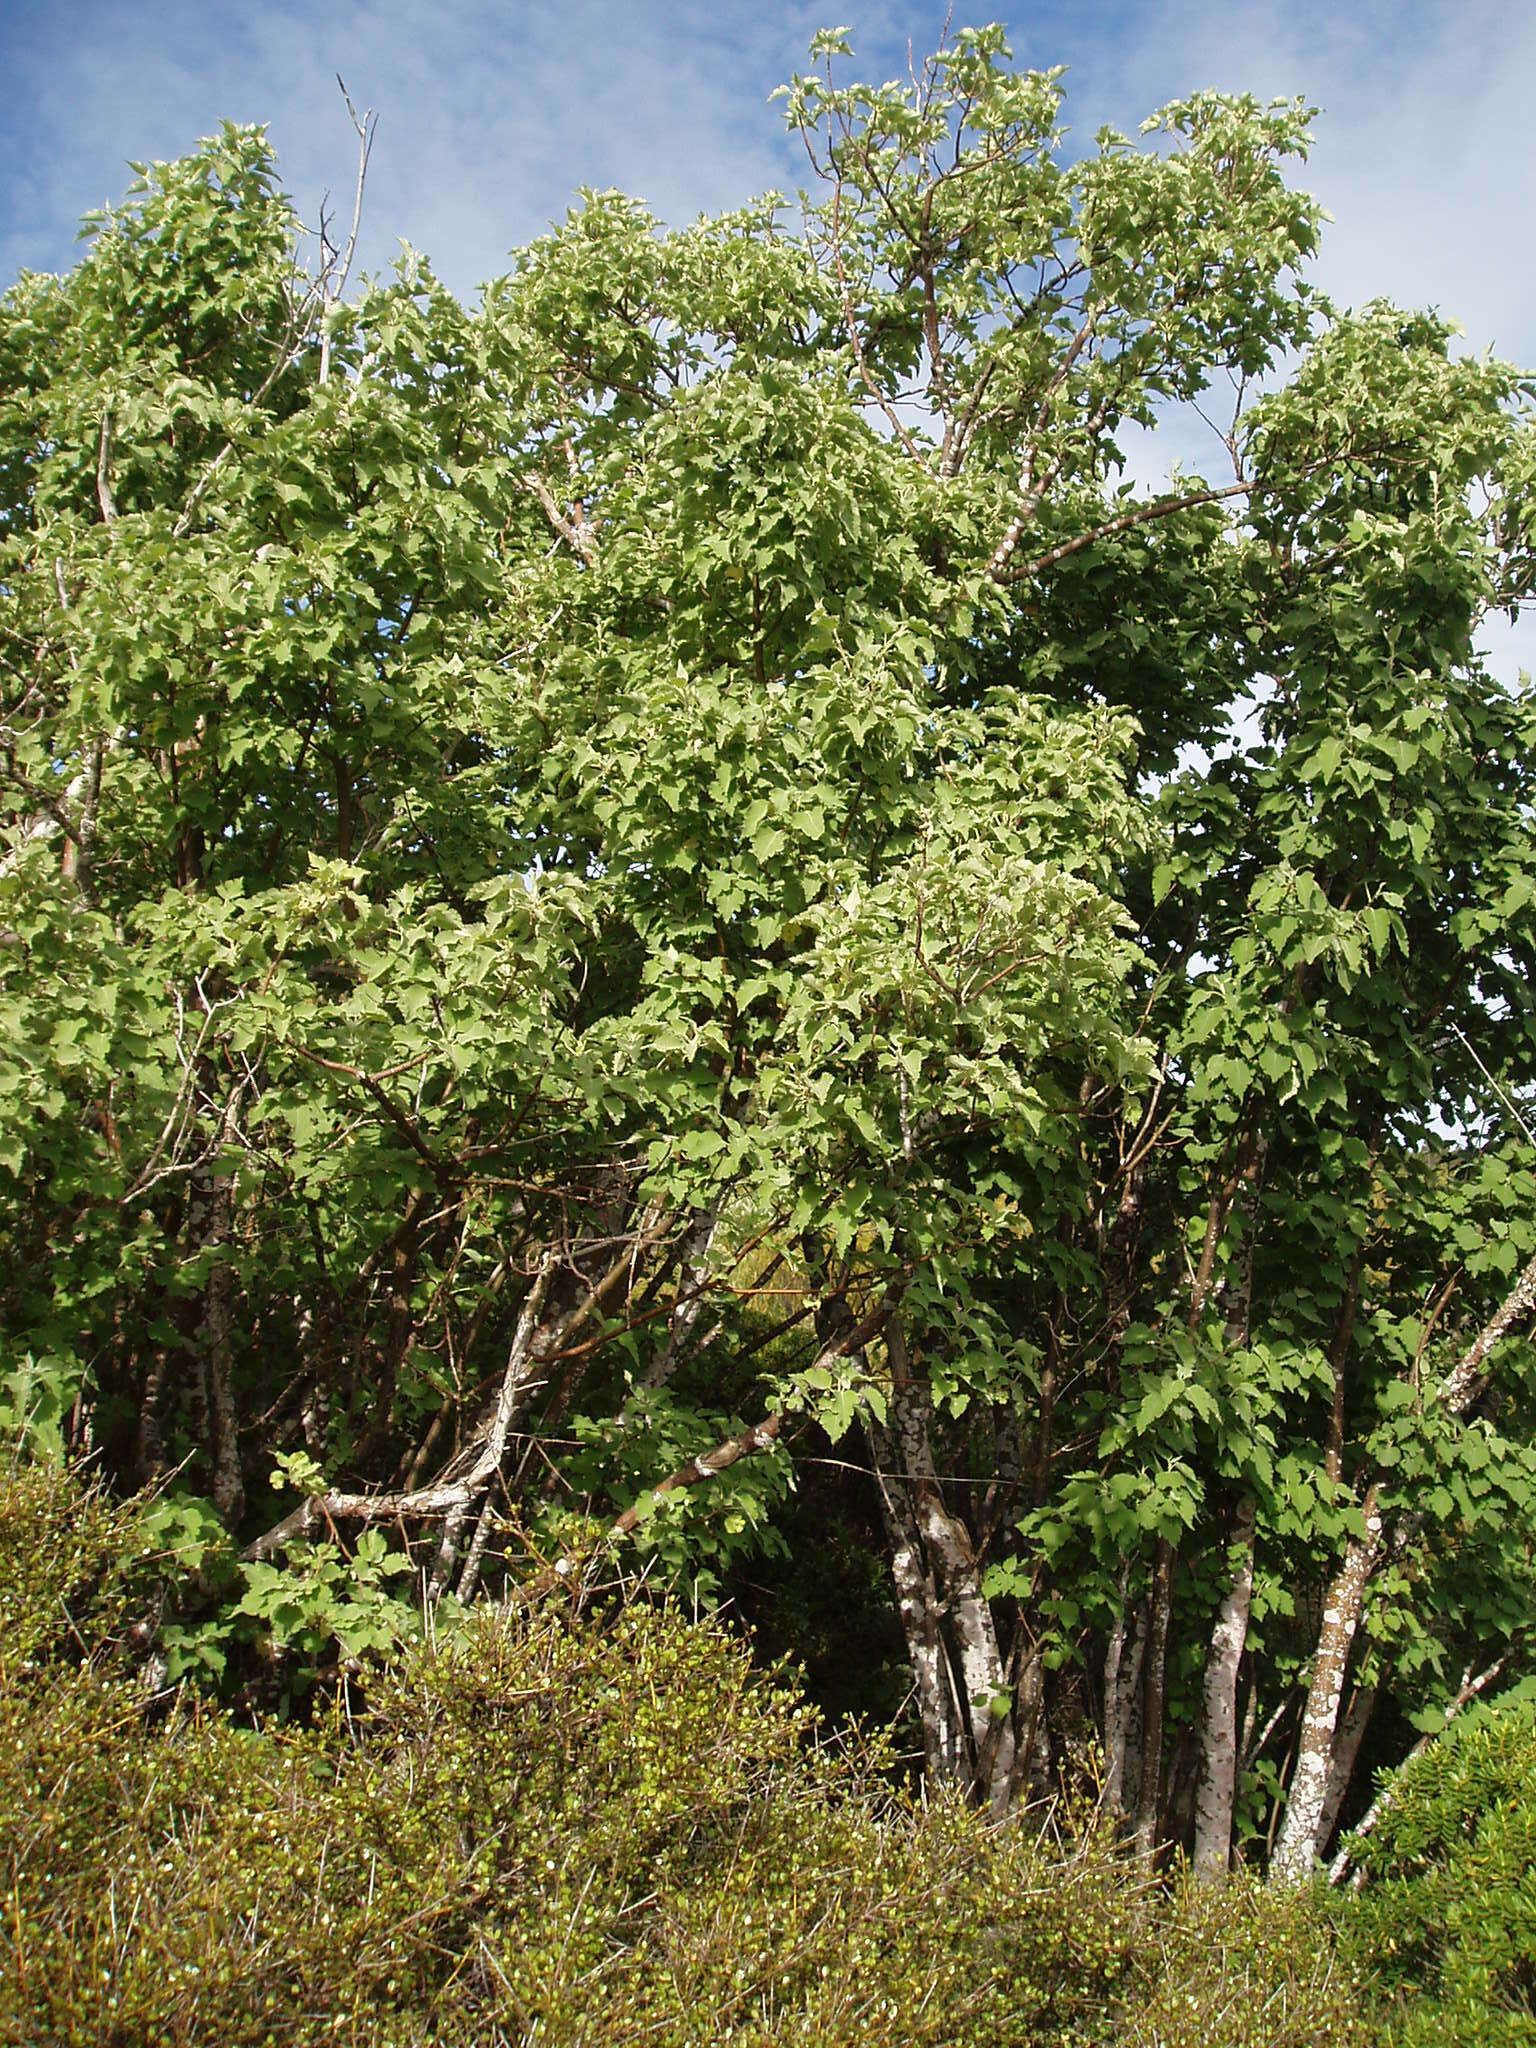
(490,115)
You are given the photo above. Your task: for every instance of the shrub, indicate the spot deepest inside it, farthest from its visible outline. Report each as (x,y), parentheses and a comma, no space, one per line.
(1448,1915)
(550,1827)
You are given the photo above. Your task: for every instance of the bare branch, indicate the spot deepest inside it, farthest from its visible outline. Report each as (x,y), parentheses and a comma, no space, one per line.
(334,278)
(518,1362)
(761,1436)
(320,1509)
(849,317)
(1467,1378)
(1141,515)
(104,496)
(1031,491)
(406,1125)
(1470,1689)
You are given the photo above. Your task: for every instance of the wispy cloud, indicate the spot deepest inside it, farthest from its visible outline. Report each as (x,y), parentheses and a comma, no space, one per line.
(493,114)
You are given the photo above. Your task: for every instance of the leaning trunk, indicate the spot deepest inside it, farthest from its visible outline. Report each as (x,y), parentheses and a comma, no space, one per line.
(1296,1848)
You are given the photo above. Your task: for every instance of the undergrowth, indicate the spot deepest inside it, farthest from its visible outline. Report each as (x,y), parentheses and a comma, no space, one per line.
(555,1828)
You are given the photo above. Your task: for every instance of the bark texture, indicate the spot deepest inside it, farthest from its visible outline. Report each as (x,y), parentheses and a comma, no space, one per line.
(1153,1687)
(1217,1786)
(1297,1847)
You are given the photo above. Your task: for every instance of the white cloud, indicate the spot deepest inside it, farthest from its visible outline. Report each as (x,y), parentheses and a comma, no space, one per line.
(494,111)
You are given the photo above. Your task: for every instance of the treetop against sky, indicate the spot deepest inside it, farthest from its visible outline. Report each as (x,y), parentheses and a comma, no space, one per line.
(492,116)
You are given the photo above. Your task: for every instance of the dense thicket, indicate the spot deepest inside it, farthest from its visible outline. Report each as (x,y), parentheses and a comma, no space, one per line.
(565,1831)
(605,888)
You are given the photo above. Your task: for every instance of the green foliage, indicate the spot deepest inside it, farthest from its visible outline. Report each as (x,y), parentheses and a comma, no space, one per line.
(594,807)
(321,1594)
(36,1399)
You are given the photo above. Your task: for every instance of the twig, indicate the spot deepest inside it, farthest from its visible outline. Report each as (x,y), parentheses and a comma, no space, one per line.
(333,282)
(1496,1085)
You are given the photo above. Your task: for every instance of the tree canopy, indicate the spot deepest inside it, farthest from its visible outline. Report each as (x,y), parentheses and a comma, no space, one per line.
(613,896)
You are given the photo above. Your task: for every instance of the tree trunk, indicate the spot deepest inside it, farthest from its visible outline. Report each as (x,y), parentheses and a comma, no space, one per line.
(1122,1682)
(1344,1862)
(1031,1735)
(962,1679)
(1154,1681)
(1296,1848)
(692,1280)
(150,1453)
(1341,1766)
(1217,1788)
(210,1215)
(400,1328)
(917,1598)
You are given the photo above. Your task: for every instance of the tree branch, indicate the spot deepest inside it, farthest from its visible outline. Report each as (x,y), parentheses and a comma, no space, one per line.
(761,1436)
(1467,1378)
(1140,515)
(332,283)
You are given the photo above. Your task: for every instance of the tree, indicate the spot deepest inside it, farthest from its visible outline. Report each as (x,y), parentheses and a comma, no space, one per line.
(600,880)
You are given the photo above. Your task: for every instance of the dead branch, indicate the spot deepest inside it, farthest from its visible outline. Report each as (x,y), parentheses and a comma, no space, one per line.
(336,265)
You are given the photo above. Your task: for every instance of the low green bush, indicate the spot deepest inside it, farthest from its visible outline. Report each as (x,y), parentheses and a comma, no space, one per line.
(1447,1915)
(554,1829)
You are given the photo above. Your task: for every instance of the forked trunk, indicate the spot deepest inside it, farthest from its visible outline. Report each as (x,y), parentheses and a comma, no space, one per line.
(963,1682)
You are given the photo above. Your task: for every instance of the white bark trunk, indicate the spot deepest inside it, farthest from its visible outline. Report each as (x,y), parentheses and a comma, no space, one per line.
(1296,1848)
(1341,1765)
(1218,1734)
